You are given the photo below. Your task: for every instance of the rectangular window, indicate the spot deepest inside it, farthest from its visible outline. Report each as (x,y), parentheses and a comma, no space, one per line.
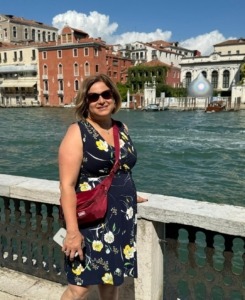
(115,62)
(75,53)
(4,57)
(214,82)
(76,70)
(86,52)
(15,56)
(21,56)
(59,54)
(226,79)
(44,54)
(33,54)
(96,52)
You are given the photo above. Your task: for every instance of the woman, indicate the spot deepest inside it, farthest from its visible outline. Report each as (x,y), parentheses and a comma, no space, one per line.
(106,250)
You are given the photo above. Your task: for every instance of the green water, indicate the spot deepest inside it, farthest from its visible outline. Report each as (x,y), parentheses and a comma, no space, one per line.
(185,154)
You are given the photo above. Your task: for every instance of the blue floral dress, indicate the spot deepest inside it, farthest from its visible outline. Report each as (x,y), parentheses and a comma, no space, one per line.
(110,244)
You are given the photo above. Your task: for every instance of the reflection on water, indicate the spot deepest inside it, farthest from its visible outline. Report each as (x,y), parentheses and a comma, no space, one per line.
(184,154)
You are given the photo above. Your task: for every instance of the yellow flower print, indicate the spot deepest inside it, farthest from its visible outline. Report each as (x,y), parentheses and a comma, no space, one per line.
(107,278)
(97,246)
(128,252)
(124,136)
(126,167)
(102,145)
(78,270)
(84,186)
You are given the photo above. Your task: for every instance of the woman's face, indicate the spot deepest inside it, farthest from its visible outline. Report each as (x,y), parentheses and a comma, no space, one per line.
(100,100)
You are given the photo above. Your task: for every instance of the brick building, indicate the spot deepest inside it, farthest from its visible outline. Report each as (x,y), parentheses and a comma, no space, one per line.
(63,66)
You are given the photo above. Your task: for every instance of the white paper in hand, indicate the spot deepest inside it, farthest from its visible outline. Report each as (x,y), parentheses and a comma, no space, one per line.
(60,236)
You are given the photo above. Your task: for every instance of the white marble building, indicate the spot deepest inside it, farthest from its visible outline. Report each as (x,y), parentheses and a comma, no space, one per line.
(221,68)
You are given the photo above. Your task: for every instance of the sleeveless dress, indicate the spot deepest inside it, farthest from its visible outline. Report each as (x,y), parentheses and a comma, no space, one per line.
(110,244)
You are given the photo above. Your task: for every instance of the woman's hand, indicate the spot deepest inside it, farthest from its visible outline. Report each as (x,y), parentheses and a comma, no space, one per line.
(141,199)
(73,244)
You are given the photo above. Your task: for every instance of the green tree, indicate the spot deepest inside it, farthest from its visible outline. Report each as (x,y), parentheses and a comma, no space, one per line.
(242,72)
(139,75)
(123,89)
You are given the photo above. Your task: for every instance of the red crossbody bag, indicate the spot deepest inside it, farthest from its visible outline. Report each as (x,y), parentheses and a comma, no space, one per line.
(92,204)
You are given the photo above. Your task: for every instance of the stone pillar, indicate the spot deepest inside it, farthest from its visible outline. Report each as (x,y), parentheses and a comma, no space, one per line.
(149,285)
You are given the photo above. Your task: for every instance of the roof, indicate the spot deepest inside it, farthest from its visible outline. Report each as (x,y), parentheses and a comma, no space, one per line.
(156,63)
(231,42)
(21,20)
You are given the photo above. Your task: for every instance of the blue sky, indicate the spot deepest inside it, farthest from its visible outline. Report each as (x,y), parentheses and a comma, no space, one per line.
(195,24)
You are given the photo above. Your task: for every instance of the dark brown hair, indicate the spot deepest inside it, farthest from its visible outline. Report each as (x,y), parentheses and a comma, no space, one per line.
(81,99)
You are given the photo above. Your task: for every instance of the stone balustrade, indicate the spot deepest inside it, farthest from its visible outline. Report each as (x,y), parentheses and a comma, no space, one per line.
(157,219)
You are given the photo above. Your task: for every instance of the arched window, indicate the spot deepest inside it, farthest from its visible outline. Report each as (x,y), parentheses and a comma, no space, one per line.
(39,36)
(86,69)
(44,36)
(204,73)
(76,69)
(45,70)
(60,69)
(187,79)
(214,79)
(226,79)
(14,32)
(33,34)
(76,85)
(26,34)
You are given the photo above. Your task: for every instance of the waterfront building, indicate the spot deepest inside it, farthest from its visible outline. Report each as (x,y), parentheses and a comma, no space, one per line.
(117,65)
(172,76)
(19,76)
(222,67)
(15,29)
(167,52)
(40,67)
(63,66)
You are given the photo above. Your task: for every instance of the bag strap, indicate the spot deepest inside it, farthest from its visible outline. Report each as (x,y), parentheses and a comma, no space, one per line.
(116,146)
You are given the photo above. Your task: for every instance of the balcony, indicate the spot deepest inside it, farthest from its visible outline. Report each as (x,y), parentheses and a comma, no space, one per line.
(185,247)
(60,92)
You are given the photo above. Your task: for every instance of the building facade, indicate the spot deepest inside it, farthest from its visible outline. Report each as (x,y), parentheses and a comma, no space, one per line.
(18,30)
(63,67)
(19,78)
(165,52)
(221,68)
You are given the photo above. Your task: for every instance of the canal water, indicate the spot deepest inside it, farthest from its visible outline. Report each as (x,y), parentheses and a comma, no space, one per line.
(188,154)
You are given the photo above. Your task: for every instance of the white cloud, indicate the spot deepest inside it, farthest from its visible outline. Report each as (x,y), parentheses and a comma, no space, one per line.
(98,25)
(95,24)
(129,37)
(204,42)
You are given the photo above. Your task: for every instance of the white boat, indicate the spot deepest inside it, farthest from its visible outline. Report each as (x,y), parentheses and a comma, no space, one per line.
(151,107)
(69,105)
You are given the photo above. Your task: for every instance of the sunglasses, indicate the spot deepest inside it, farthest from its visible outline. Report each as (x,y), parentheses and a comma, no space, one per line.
(93,97)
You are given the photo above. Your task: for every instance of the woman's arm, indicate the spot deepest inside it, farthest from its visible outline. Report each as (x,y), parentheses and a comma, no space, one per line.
(69,159)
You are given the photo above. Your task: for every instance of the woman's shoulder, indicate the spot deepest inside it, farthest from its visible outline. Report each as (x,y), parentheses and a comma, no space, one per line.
(119,124)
